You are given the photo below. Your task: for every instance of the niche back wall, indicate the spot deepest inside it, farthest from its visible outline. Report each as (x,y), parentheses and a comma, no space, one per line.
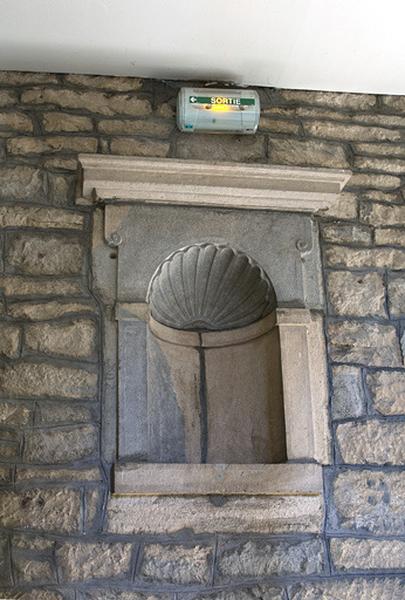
(56,540)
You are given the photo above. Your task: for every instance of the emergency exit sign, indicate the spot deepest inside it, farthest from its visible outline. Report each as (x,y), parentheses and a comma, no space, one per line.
(227,100)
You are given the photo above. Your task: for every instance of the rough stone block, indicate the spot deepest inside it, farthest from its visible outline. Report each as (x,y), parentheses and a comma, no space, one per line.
(362,258)
(346,233)
(352,554)
(372,442)
(37,380)
(348,396)
(234,148)
(5,574)
(10,339)
(116,594)
(13,78)
(61,189)
(50,509)
(350,589)
(44,254)
(15,121)
(394,197)
(372,501)
(265,559)
(9,450)
(59,121)
(387,390)
(350,133)
(94,498)
(373,180)
(396,294)
(386,165)
(60,445)
(5,475)
(21,183)
(356,294)
(278,125)
(37,216)
(32,594)
(396,103)
(42,311)
(55,413)
(84,562)
(369,344)
(390,237)
(36,543)
(330,99)
(255,592)
(30,570)
(182,564)
(8,98)
(50,144)
(166,110)
(41,474)
(96,102)
(344,208)
(76,339)
(139,147)
(114,84)
(56,162)
(26,286)
(14,414)
(307,153)
(154,127)
(382,149)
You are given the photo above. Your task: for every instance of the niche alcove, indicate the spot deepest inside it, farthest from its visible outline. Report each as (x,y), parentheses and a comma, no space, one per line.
(215,382)
(214,379)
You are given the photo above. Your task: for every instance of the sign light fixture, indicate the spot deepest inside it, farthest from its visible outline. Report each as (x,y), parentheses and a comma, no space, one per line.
(218,111)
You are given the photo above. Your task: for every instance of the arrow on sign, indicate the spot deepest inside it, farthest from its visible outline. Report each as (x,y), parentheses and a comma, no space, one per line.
(193,99)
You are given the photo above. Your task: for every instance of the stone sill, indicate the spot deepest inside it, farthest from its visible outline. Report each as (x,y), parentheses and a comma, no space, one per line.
(144,515)
(295,479)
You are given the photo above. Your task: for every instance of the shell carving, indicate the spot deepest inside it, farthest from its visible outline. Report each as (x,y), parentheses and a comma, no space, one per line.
(209,287)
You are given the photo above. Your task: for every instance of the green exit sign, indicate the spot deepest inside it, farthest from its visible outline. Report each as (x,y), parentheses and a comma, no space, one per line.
(224,100)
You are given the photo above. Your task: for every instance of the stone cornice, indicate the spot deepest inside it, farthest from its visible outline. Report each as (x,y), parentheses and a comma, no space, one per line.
(196,183)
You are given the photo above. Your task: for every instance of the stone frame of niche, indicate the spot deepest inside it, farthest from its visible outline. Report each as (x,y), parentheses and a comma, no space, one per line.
(111,183)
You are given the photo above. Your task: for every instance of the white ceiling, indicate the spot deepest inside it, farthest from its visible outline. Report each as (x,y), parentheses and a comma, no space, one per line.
(341,45)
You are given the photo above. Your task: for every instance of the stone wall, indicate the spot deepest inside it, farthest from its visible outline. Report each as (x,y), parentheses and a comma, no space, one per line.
(54,543)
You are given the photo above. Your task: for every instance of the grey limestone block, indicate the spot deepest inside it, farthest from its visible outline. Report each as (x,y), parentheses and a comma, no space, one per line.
(368,501)
(90,101)
(100,560)
(335,100)
(387,390)
(52,509)
(356,294)
(352,554)
(44,255)
(372,442)
(60,444)
(181,564)
(252,592)
(306,153)
(360,588)
(30,379)
(260,559)
(368,344)
(348,398)
(343,131)
(21,183)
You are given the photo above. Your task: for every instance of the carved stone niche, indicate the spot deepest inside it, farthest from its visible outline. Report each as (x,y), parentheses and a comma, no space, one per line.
(214,353)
